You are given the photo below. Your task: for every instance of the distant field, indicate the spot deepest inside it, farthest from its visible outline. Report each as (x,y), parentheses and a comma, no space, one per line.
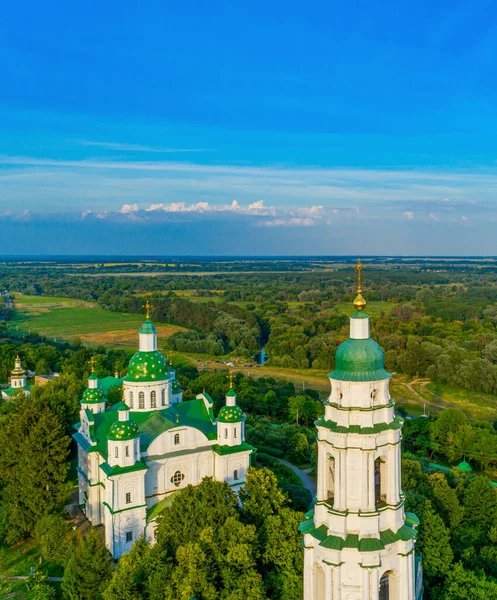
(68,318)
(373,309)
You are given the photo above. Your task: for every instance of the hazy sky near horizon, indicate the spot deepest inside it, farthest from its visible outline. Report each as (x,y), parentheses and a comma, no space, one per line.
(248,128)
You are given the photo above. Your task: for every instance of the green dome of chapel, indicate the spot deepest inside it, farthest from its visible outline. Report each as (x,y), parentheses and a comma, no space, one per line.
(147,366)
(359,360)
(230,414)
(123,430)
(93,396)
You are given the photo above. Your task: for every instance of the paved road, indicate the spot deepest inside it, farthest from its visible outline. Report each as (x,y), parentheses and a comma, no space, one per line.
(306,480)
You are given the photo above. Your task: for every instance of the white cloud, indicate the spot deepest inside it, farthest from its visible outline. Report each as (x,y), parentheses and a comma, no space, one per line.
(134,147)
(126,209)
(86,213)
(409,214)
(289,222)
(463,218)
(315,212)
(434,217)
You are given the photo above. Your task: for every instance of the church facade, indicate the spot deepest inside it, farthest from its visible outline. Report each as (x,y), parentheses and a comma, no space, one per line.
(133,456)
(359,542)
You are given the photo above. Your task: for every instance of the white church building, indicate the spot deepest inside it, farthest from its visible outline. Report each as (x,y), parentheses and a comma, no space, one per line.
(359,543)
(132,457)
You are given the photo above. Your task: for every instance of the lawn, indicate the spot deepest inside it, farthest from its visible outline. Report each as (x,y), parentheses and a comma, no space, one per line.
(373,309)
(68,318)
(476,405)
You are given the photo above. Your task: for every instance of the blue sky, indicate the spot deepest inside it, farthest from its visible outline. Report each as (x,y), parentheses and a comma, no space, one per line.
(248,128)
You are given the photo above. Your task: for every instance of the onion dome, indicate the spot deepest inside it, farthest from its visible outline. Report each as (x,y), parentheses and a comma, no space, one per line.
(148,328)
(230,414)
(93,396)
(176,387)
(18,370)
(359,360)
(123,430)
(147,366)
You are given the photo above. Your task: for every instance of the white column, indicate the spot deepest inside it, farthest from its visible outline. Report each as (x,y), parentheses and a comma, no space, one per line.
(371,489)
(321,491)
(375,584)
(337,503)
(365,482)
(308,574)
(328,581)
(404,582)
(343,480)
(337,584)
(365,585)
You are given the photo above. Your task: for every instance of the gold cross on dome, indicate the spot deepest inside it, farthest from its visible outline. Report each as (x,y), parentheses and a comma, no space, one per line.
(231,379)
(359,302)
(147,306)
(92,362)
(359,267)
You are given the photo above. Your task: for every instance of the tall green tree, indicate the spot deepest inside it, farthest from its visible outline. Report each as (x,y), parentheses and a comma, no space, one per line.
(89,570)
(33,467)
(435,543)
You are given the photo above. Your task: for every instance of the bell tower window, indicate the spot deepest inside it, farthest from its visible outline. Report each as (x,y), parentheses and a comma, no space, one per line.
(141,400)
(153,399)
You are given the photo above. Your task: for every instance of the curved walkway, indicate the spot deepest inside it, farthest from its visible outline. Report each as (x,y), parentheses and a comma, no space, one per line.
(304,478)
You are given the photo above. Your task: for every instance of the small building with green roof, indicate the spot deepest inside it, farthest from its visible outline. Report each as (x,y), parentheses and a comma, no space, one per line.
(133,456)
(18,381)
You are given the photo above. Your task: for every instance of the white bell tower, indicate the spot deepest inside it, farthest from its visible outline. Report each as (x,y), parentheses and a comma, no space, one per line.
(359,543)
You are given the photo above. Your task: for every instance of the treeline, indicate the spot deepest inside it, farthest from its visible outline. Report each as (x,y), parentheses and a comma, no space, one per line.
(457,507)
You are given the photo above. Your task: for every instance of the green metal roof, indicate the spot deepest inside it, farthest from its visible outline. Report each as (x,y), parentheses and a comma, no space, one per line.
(93,396)
(231,392)
(151,424)
(148,327)
(222,450)
(464,466)
(377,428)
(110,471)
(230,414)
(147,366)
(107,383)
(359,360)
(92,377)
(359,315)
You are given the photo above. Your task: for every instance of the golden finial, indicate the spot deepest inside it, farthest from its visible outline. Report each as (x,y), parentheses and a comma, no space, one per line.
(359,302)
(177,418)
(93,362)
(147,306)
(231,380)
(170,359)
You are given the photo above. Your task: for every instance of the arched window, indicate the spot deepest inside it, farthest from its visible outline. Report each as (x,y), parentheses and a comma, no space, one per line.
(331,479)
(116,452)
(163,397)
(141,400)
(234,432)
(225,433)
(153,399)
(176,439)
(131,400)
(235,474)
(379,492)
(177,478)
(127,450)
(385,586)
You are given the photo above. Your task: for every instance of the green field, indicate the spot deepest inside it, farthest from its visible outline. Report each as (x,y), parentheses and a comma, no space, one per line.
(68,318)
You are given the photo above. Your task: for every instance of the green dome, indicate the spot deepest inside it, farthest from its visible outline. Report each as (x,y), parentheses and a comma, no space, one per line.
(148,327)
(230,414)
(123,430)
(147,366)
(93,396)
(359,360)
(464,466)
(176,387)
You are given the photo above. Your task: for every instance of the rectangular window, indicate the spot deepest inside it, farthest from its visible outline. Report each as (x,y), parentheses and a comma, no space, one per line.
(127,450)
(128,498)
(225,434)
(129,537)
(235,432)
(116,452)
(235,474)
